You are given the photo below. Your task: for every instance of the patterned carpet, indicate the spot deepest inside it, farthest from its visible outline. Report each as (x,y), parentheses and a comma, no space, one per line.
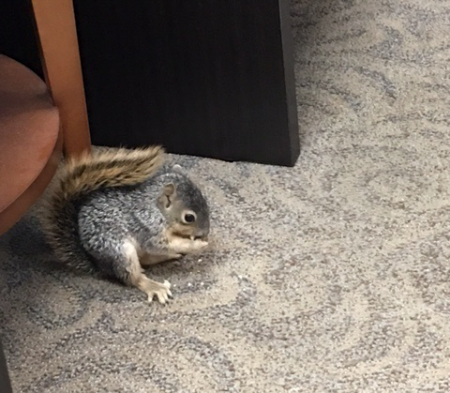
(333,276)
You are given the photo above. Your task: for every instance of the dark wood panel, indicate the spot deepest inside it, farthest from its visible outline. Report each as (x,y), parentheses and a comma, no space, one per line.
(203,77)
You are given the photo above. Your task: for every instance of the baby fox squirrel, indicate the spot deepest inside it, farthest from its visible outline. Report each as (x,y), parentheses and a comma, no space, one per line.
(118,211)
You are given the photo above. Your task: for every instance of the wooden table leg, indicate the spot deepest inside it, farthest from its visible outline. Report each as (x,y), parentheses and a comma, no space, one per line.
(57,36)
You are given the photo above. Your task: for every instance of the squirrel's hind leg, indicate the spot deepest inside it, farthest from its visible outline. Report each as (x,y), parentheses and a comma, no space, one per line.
(131,273)
(123,262)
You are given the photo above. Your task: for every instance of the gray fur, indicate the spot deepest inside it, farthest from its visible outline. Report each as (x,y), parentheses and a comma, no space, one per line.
(107,218)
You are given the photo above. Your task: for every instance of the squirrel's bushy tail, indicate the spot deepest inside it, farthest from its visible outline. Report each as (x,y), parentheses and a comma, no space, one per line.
(81,176)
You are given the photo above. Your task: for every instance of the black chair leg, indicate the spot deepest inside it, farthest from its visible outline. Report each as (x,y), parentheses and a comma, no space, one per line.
(5,383)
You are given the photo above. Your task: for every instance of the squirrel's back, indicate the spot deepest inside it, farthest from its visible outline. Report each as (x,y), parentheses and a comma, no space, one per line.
(81,176)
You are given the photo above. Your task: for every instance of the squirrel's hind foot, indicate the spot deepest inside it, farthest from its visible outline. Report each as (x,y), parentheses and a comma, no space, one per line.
(153,288)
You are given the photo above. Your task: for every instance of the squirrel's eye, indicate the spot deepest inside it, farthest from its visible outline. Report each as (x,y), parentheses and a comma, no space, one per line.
(189,218)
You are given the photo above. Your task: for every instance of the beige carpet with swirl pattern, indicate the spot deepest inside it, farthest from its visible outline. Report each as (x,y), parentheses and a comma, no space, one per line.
(333,276)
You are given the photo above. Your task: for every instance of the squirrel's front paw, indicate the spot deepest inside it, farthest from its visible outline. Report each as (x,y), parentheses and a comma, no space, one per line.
(186,246)
(160,290)
(199,245)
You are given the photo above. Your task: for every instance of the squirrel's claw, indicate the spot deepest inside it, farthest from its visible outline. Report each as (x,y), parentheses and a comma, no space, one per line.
(160,290)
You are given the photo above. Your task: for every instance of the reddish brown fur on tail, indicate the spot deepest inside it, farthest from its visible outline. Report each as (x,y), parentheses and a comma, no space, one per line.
(109,168)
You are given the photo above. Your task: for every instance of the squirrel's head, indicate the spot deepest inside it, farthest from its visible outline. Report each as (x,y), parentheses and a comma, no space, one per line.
(184,207)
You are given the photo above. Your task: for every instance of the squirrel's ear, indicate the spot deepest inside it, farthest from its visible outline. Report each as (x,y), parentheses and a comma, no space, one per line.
(165,199)
(169,190)
(177,168)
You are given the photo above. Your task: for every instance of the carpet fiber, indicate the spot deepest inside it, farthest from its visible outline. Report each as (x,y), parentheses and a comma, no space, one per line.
(333,276)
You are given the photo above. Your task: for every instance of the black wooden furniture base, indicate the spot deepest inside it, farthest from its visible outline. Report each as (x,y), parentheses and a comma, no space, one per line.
(203,77)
